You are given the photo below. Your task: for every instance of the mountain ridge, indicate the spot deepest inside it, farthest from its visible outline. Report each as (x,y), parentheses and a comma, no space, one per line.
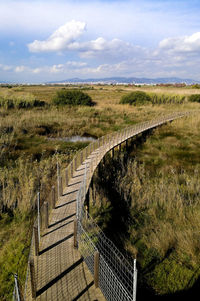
(129,80)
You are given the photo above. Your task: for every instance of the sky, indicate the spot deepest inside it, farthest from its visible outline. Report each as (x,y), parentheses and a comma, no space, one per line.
(52,40)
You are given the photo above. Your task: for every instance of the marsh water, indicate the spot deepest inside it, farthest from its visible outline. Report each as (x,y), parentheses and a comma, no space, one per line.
(75,139)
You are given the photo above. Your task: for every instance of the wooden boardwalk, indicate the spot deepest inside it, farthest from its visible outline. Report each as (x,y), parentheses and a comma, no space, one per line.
(61,272)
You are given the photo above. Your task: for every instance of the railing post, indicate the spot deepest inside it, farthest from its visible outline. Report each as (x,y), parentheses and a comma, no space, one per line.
(72,169)
(36,238)
(17,288)
(134,281)
(33,278)
(46,215)
(58,178)
(85,175)
(96,269)
(38,209)
(60,186)
(75,233)
(53,197)
(75,163)
(66,177)
(91,167)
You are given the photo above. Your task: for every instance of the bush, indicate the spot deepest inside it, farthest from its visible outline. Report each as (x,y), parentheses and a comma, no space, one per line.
(72,97)
(20,102)
(194,98)
(136,97)
(196,86)
(157,98)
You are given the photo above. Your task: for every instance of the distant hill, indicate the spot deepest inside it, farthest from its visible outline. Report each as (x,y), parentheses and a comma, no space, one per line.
(128,80)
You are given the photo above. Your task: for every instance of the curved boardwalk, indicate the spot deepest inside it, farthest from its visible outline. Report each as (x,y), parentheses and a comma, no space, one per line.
(60,272)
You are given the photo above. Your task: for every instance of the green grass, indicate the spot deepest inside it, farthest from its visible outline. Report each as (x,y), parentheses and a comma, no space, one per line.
(15,237)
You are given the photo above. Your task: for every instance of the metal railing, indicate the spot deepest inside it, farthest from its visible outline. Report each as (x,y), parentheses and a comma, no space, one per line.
(117,277)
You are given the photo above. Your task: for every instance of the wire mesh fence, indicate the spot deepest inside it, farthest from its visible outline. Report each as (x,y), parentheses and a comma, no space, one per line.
(116,274)
(117,277)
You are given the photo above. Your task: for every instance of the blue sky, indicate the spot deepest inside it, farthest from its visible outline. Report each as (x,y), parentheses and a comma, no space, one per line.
(43,40)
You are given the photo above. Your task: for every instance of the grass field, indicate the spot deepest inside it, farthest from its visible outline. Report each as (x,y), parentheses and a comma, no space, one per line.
(149,203)
(28,158)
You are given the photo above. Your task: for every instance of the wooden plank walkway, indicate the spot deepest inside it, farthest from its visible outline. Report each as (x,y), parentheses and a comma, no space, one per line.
(61,272)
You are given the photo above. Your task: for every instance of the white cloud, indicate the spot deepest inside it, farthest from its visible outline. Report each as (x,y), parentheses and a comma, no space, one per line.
(57,68)
(61,39)
(75,64)
(5,67)
(115,48)
(19,69)
(186,44)
(65,38)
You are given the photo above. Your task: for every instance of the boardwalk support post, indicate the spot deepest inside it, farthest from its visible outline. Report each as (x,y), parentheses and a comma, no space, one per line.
(96,269)
(75,233)
(33,279)
(46,215)
(53,197)
(36,238)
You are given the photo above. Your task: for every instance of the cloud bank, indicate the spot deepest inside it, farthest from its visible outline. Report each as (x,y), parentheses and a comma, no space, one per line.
(61,39)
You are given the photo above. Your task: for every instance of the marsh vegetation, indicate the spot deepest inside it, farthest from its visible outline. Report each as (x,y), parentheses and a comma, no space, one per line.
(147,199)
(28,118)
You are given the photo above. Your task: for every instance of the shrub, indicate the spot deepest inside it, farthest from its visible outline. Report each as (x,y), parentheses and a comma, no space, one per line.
(196,86)
(157,98)
(72,97)
(136,97)
(20,102)
(194,98)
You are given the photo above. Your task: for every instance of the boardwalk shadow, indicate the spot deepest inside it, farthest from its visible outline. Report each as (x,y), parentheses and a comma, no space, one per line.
(62,220)
(62,205)
(64,194)
(57,228)
(83,291)
(56,244)
(73,184)
(53,281)
(78,175)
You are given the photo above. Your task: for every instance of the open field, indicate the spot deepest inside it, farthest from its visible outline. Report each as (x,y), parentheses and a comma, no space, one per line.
(28,159)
